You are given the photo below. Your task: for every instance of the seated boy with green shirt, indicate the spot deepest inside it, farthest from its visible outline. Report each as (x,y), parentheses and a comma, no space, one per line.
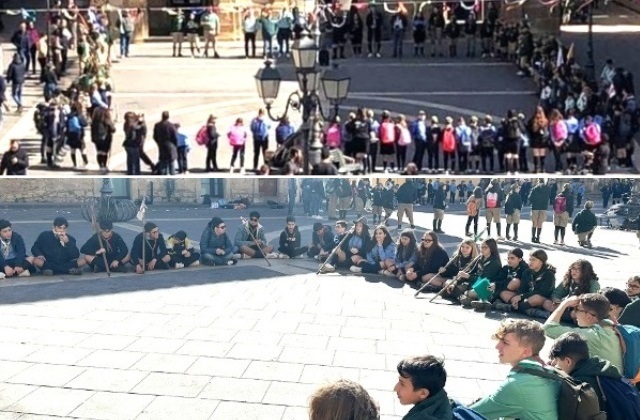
(521,395)
(592,311)
(421,382)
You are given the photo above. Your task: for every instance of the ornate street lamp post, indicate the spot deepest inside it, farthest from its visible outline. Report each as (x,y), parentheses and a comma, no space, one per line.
(335,86)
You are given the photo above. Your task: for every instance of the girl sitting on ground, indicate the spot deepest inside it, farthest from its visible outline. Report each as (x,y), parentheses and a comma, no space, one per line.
(466,253)
(487,267)
(532,294)
(514,278)
(381,257)
(578,280)
(431,257)
(407,254)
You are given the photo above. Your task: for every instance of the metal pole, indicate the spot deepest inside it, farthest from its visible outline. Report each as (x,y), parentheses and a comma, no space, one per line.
(306,111)
(590,67)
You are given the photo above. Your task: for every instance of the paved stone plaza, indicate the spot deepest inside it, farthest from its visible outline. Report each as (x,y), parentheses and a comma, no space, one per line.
(245,342)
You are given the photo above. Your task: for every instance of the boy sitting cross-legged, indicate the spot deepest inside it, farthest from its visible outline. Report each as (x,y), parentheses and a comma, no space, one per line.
(421,382)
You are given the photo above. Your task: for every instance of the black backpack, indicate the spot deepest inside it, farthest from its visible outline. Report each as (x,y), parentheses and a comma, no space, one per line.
(576,401)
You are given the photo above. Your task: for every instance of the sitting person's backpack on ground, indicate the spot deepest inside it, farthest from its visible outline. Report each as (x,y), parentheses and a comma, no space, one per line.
(622,400)
(576,401)
(460,412)
(629,336)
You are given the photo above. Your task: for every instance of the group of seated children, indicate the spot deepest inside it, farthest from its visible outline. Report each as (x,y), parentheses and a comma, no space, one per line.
(533,389)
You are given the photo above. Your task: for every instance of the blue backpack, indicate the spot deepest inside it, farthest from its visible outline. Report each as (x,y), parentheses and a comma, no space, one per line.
(73,124)
(629,336)
(460,412)
(622,400)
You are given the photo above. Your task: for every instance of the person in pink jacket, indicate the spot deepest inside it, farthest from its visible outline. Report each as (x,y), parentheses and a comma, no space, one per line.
(237,135)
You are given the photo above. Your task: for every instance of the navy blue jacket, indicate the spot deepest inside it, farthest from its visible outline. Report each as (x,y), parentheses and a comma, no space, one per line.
(17,245)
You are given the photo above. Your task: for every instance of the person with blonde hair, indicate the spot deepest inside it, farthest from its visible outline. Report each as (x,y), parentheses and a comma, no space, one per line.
(342,400)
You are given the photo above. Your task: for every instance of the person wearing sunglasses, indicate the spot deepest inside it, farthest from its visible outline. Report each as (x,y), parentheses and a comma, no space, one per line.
(251,241)
(431,256)
(215,246)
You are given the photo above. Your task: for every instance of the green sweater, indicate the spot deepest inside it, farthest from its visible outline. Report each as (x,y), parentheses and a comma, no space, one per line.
(436,407)
(601,339)
(587,371)
(522,396)
(563,291)
(539,197)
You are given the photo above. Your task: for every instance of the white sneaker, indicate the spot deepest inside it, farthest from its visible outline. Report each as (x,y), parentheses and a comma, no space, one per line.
(271,255)
(25,273)
(328,268)
(283,256)
(2,276)
(179,265)
(369,55)
(237,256)
(241,171)
(378,55)
(195,264)
(355,269)
(230,170)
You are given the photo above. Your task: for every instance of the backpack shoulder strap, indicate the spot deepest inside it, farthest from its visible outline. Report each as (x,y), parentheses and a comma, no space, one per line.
(544,373)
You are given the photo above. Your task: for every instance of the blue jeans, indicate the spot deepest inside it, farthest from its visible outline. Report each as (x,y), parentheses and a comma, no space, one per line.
(133,160)
(16,93)
(211,259)
(267,46)
(125,41)
(398,37)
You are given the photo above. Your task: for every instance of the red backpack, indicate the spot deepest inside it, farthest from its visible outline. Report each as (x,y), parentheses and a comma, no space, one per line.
(560,204)
(448,141)
(202,138)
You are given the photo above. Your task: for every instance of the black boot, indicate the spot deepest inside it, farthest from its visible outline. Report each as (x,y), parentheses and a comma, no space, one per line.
(489,229)
(499,229)
(508,231)
(440,226)
(539,231)
(533,235)
(515,231)
(435,225)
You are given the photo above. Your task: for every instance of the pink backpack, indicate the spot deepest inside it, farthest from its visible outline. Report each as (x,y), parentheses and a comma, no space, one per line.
(202,138)
(405,136)
(237,135)
(333,137)
(559,133)
(592,134)
(387,132)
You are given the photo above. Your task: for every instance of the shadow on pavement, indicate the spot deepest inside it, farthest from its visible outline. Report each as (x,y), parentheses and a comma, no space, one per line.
(70,289)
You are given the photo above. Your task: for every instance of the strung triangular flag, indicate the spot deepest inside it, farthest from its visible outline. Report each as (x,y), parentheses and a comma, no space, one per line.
(142,210)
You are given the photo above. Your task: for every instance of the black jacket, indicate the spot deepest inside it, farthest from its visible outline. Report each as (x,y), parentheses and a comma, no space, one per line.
(153,249)
(49,246)
(17,72)
(512,203)
(115,247)
(407,193)
(18,248)
(584,221)
(290,240)
(166,136)
(17,167)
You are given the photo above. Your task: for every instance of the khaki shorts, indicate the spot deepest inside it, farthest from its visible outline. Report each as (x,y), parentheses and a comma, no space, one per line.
(344,203)
(177,36)
(192,38)
(376,209)
(359,205)
(538,217)
(209,35)
(561,219)
(513,218)
(492,215)
(438,214)
(582,237)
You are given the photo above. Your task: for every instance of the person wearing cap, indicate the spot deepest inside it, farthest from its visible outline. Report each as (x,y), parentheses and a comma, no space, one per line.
(322,241)
(584,224)
(56,252)
(107,242)
(156,255)
(181,251)
(215,246)
(250,239)
(13,256)
(290,241)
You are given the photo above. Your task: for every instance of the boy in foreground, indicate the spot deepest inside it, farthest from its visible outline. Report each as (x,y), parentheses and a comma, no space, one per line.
(421,383)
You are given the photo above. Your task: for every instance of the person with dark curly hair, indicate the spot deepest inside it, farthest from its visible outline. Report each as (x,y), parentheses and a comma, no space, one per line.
(578,280)
(343,400)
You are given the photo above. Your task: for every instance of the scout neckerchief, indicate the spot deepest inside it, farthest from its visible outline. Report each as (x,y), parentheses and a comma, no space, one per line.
(6,248)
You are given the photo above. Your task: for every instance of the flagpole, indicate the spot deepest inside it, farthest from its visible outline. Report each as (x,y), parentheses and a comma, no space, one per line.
(140,216)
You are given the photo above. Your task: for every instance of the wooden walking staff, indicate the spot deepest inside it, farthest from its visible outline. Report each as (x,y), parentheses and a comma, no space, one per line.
(245,223)
(424,286)
(336,248)
(140,216)
(468,269)
(96,229)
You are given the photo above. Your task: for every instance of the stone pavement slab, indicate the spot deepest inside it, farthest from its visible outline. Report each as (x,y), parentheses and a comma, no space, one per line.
(259,341)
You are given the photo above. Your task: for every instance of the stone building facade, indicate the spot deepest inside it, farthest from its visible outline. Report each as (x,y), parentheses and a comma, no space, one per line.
(176,190)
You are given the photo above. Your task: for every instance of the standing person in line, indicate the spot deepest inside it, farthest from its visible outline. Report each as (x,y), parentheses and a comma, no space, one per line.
(177,27)
(211,28)
(249,28)
(131,143)
(406,196)
(474,203)
(284,32)
(539,199)
(260,132)
(165,135)
(493,199)
(293,193)
(512,208)
(439,206)
(211,164)
(102,129)
(374,22)
(562,211)
(191,28)
(237,136)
